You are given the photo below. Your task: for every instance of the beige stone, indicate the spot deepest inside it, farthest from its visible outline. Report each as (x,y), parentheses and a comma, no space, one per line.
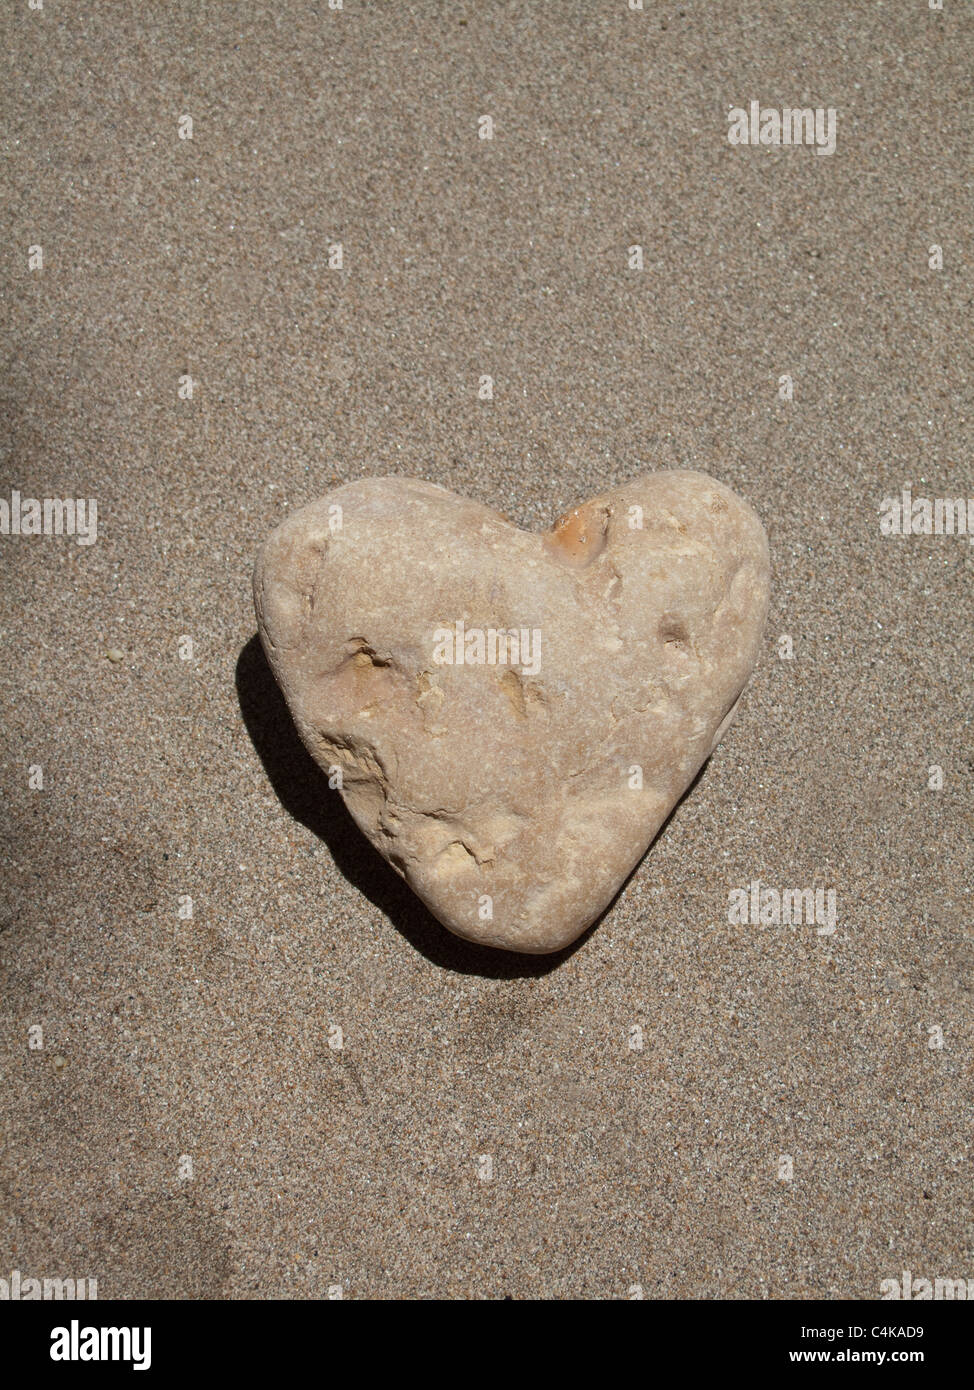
(516,794)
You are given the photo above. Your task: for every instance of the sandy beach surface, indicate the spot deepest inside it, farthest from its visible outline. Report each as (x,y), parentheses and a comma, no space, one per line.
(307,1084)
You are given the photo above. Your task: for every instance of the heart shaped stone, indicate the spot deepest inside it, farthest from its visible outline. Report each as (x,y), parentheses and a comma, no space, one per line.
(512,716)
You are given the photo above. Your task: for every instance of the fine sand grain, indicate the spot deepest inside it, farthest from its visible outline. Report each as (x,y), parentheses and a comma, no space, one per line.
(309,1083)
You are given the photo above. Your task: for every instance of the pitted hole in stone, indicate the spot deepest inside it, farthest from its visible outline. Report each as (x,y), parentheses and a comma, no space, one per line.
(579,537)
(357,758)
(674,635)
(364,679)
(513,688)
(428,693)
(456,856)
(361,654)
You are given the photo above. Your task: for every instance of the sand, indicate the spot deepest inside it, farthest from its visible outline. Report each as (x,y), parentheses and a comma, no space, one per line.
(308,1085)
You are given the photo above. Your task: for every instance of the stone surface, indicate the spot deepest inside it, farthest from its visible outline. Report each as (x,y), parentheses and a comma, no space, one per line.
(514,784)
